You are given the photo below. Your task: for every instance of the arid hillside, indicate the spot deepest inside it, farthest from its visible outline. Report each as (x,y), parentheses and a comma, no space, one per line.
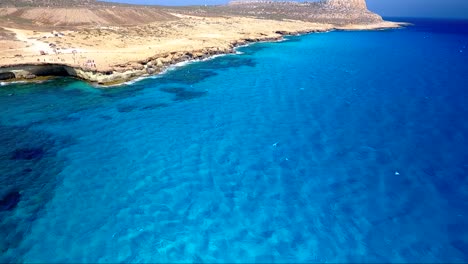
(51,14)
(81,16)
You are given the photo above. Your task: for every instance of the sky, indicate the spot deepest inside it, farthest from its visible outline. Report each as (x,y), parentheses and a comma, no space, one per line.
(389,8)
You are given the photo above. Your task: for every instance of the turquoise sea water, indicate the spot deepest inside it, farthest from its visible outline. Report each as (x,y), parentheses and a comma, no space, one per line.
(334,147)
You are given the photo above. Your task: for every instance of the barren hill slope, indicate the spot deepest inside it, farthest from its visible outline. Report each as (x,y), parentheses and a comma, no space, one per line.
(80,16)
(72,13)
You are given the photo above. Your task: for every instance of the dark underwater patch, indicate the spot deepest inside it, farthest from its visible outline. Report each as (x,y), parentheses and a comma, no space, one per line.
(230,62)
(70,119)
(188,95)
(197,259)
(199,72)
(105,117)
(29,166)
(126,108)
(74,92)
(122,92)
(28,154)
(10,201)
(172,90)
(461,245)
(187,76)
(154,106)
(27,170)
(182,94)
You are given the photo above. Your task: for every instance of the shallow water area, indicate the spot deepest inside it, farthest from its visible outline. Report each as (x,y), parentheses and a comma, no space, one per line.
(306,150)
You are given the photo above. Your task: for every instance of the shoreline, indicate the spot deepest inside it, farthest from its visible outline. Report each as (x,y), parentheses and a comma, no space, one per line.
(158,64)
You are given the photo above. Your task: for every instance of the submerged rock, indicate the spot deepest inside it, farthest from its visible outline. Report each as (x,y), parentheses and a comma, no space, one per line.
(182,94)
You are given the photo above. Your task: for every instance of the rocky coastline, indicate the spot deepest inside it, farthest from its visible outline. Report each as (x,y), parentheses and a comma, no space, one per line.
(122,73)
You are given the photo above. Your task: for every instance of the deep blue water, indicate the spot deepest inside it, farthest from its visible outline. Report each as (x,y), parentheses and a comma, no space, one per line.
(333,147)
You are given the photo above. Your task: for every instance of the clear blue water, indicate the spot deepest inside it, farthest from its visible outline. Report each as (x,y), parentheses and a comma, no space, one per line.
(334,147)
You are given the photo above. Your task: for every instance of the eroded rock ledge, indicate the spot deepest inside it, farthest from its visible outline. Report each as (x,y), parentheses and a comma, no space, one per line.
(123,72)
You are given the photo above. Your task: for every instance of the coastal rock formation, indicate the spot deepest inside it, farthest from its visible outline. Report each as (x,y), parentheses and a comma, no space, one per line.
(6,76)
(336,12)
(348,11)
(122,72)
